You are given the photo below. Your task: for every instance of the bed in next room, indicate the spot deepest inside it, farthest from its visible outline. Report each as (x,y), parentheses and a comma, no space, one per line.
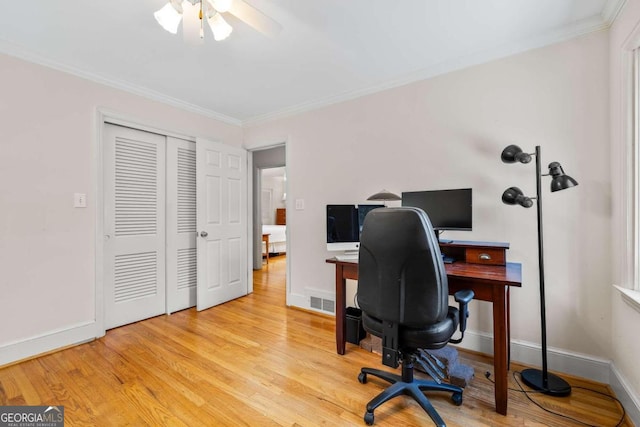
(277,233)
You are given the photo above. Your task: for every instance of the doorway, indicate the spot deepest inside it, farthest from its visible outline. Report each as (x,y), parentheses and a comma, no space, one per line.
(269,210)
(273,213)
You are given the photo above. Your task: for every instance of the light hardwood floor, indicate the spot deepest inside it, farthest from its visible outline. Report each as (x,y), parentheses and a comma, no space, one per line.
(254,362)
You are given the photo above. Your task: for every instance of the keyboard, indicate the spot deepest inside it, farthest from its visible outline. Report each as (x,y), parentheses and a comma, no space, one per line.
(347,257)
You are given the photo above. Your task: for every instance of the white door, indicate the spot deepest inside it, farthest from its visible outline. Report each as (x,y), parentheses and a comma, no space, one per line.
(134,224)
(181,224)
(222,214)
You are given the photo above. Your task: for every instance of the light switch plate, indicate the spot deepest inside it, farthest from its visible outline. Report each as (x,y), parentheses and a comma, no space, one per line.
(79,200)
(299,204)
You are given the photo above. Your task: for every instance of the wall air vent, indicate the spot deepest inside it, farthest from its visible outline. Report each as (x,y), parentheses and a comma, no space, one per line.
(322,304)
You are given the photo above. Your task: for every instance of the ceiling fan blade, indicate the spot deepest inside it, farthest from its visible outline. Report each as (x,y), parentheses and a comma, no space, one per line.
(254,18)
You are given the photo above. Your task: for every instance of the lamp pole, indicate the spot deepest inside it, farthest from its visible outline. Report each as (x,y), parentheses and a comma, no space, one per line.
(543,312)
(534,378)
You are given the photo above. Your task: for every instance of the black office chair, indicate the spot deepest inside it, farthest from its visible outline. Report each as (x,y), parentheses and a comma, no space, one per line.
(403,294)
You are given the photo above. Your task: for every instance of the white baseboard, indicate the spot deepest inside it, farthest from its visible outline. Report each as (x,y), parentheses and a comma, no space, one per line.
(53,340)
(629,397)
(297,300)
(527,353)
(584,366)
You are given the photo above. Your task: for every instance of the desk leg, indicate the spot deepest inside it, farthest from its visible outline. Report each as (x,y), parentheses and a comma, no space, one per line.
(500,346)
(341,326)
(508,328)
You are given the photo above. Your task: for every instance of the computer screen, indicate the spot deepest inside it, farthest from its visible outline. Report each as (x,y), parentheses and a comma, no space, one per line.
(447,209)
(344,225)
(363,210)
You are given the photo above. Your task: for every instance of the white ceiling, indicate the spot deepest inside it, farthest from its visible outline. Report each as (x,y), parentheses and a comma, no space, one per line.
(328,51)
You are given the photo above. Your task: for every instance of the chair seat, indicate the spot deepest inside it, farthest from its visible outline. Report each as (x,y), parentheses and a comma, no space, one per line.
(434,336)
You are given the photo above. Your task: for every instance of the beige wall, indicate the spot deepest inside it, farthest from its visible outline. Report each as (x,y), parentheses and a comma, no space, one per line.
(448,132)
(47,153)
(624,318)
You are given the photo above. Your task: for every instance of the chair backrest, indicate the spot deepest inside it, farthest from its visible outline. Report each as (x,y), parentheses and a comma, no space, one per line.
(401,276)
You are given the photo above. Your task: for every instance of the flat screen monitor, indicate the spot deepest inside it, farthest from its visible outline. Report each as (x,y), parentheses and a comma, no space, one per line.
(344,225)
(447,209)
(363,210)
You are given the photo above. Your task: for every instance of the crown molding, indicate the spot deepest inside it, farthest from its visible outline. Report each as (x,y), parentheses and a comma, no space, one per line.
(578,28)
(16,51)
(597,23)
(611,10)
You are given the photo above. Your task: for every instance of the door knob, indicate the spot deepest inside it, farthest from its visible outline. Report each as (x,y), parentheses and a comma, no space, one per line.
(203,234)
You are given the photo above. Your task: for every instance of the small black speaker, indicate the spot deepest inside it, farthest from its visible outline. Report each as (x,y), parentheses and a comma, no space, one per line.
(355,331)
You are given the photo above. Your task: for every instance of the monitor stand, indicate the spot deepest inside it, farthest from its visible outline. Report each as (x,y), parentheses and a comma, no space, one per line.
(351,255)
(438,233)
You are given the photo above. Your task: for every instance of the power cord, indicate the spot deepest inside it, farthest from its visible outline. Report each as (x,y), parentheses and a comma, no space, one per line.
(487,375)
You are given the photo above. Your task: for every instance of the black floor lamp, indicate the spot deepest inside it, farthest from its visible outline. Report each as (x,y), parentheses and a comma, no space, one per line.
(537,379)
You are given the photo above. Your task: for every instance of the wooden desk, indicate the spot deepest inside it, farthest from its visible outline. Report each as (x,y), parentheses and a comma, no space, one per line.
(489,282)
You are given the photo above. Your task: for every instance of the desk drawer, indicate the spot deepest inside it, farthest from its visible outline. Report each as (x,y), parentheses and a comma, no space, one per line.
(485,256)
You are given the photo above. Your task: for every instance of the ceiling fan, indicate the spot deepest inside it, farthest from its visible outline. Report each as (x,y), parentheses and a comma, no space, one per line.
(193,13)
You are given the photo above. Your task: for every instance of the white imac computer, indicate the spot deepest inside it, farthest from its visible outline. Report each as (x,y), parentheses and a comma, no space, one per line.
(344,225)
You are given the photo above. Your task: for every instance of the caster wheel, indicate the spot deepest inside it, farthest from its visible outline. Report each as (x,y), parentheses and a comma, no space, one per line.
(368,418)
(363,379)
(457,398)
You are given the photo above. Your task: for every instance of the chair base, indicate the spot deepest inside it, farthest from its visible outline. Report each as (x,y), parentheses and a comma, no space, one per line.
(410,387)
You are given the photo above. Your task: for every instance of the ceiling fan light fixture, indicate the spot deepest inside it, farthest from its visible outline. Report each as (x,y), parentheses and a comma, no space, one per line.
(169,16)
(192,23)
(221,29)
(193,13)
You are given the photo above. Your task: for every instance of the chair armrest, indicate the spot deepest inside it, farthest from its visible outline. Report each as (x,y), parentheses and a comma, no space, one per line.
(463,297)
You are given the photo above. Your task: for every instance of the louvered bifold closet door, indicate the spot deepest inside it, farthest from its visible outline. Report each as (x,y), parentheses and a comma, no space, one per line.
(134,224)
(181,224)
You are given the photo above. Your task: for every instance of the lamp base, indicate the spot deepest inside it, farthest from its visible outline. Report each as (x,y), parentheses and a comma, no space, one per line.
(556,386)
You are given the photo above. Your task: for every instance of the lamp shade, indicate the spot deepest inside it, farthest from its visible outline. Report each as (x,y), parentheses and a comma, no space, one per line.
(513,153)
(560,181)
(220,28)
(514,196)
(169,17)
(384,195)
